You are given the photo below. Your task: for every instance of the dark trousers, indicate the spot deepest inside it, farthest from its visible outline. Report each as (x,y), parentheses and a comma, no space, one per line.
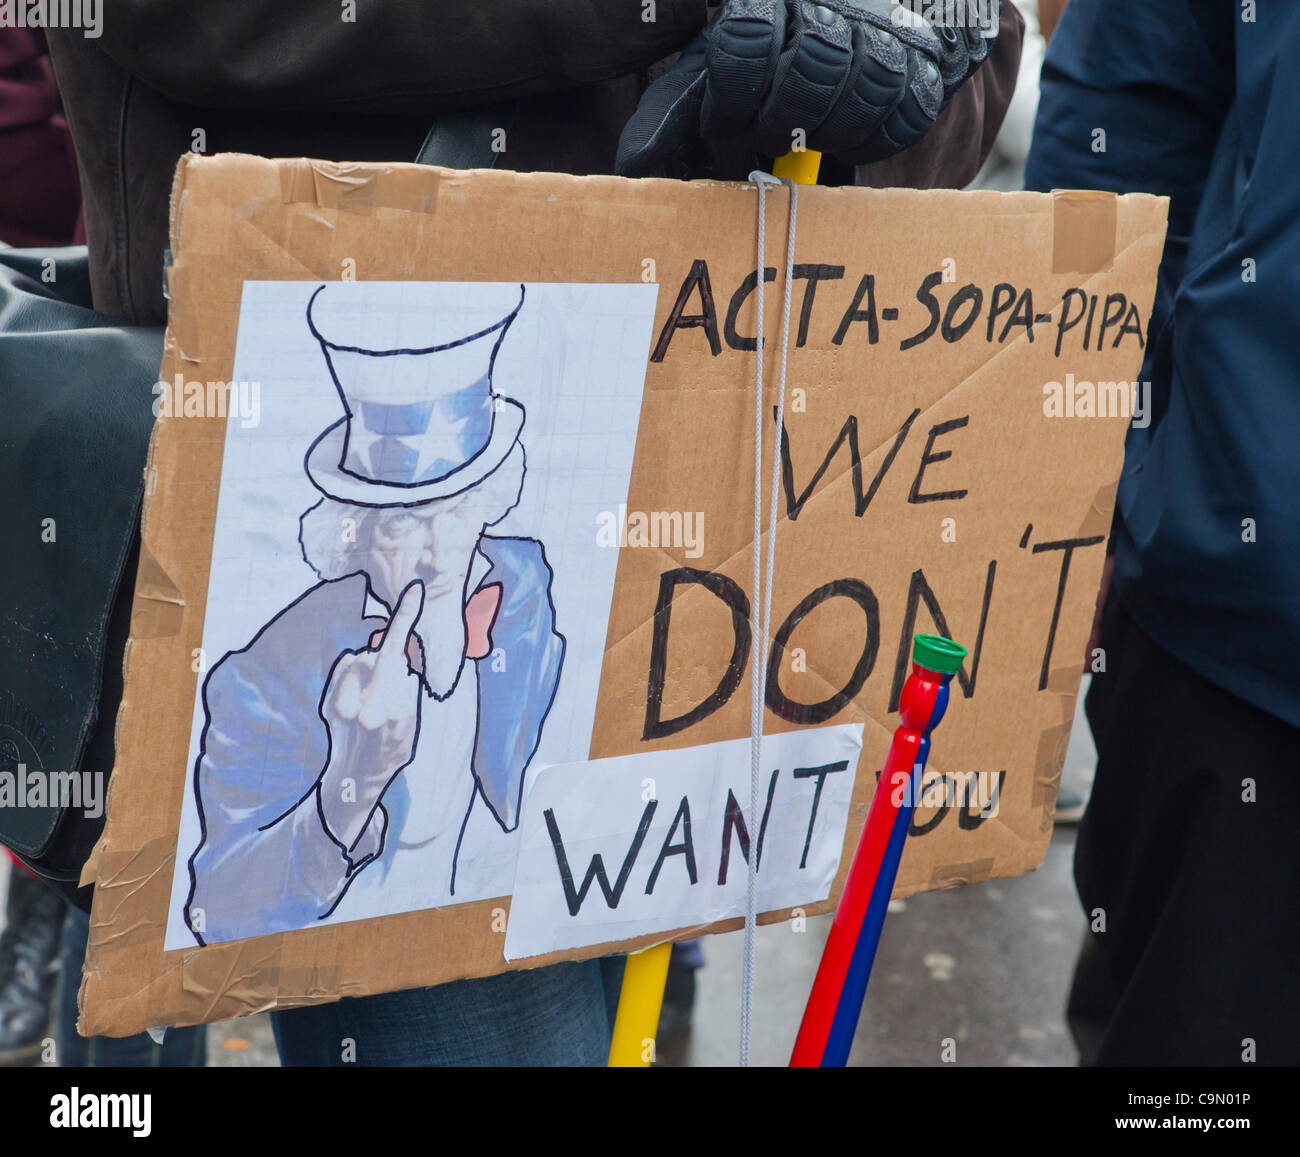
(1189,858)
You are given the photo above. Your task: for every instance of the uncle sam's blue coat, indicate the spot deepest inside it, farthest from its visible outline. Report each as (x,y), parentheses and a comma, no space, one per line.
(265,862)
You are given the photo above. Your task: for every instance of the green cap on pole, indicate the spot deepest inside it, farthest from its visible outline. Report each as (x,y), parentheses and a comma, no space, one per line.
(935,653)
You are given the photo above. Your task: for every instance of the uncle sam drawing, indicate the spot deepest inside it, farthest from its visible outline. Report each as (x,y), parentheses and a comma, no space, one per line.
(358,732)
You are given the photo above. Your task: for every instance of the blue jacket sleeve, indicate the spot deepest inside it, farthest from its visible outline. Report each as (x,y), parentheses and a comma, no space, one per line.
(1134,98)
(1156,78)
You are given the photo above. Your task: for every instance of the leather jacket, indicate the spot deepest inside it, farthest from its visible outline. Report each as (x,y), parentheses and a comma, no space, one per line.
(277,79)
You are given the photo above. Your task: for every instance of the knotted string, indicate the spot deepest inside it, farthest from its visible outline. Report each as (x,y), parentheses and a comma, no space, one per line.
(760,625)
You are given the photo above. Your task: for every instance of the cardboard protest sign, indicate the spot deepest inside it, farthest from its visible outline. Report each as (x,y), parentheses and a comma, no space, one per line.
(441,655)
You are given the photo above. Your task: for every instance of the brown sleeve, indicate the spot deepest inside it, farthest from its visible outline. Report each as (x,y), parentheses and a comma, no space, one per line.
(396,56)
(1049,14)
(954,149)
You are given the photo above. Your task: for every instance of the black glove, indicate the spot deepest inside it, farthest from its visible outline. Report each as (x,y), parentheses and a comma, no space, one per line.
(862,80)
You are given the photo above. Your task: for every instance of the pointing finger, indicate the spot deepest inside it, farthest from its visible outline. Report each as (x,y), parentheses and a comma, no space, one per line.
(392,651)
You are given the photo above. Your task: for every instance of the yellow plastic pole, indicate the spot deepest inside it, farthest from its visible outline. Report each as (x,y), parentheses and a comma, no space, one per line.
(800,167)
(641,998)
(639,1002)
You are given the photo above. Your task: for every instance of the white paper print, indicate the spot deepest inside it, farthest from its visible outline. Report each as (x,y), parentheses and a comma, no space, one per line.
(615,848)
(407,603)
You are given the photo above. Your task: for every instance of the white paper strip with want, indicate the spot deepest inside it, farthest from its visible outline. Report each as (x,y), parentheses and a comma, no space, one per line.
(665,840)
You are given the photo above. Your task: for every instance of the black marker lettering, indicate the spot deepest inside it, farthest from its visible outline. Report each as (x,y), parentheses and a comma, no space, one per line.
(925,295)
(1111,317)
(918,589)
(964,817)
(1022,315)
(697,278)
(730,593)
(867,288)
(1004,296)
(951,330)
(787,708)
(596,869)
(1067,546)
(685,848)
(928,457)
(1132,324)
(848,433)
(1068,323)
(734,819)
(812,274)
(820,773)
(738,299)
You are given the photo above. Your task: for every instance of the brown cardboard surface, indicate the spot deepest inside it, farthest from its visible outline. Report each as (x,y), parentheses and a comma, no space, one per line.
(1029,484)
(1083,231)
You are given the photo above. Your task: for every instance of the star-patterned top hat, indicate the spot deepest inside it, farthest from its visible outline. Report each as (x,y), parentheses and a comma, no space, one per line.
(419,423)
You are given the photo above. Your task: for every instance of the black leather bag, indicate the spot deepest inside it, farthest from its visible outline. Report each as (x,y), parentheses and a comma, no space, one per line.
(76,395)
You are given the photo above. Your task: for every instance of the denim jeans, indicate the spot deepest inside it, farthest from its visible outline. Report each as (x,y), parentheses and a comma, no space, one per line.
(181,1047)
(558,1015)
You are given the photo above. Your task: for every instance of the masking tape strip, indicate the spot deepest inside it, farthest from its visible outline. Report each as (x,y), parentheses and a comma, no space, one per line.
(210,984)
(248,976)
(142,878)
(184,326)
(90,869)
(159,607)
(970,872)
(362,188)
(1065,681)
(232,980)
(1052,744)
(1098,519)
(351,188)
(312,984)
(1084,229)
(242,973)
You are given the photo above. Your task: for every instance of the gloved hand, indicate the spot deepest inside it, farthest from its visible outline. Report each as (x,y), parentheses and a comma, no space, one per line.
(862,80)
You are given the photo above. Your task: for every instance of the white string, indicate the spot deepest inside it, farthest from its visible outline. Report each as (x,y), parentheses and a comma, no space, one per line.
(760,625)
